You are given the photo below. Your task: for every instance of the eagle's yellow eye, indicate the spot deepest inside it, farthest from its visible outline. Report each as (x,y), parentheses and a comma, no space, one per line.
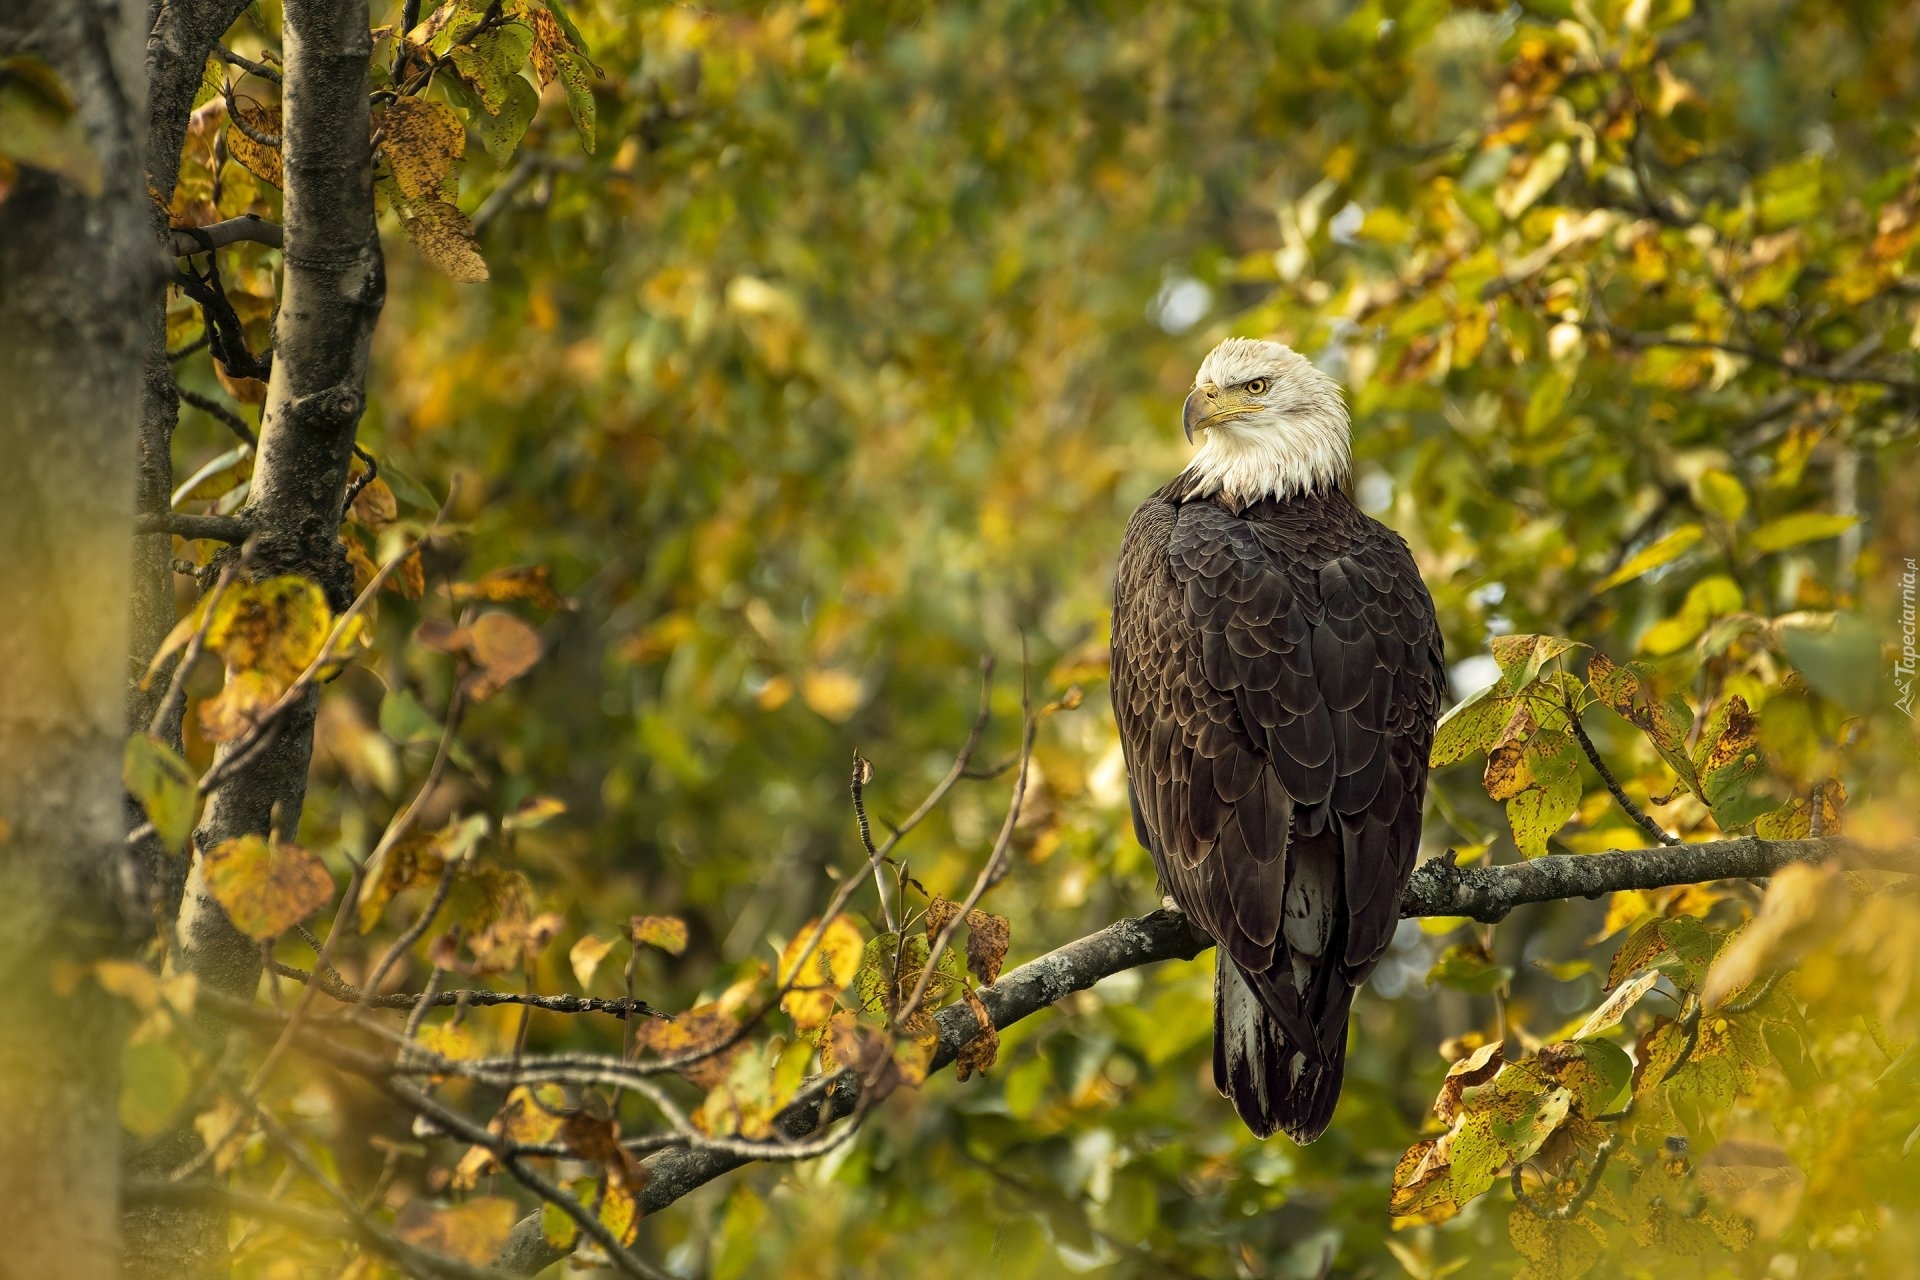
(1258,387)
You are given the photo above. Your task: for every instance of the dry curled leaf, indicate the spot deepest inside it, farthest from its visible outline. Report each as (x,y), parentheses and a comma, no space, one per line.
(1476,1068)
(987,936)
(978,1054)
(499,646)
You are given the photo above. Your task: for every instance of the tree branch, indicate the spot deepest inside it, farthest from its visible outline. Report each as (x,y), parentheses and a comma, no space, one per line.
(477,998)
(1439,888)
(230,529)
(218,235)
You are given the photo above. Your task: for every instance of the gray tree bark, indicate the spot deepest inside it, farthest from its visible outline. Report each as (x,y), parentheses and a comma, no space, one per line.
(77,270)
(332,288)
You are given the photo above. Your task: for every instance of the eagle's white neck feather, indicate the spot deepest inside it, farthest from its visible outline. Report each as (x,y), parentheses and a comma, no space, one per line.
(1249,460)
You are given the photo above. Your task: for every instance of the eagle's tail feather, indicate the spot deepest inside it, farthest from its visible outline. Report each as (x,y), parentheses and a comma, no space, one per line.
(1274,1085)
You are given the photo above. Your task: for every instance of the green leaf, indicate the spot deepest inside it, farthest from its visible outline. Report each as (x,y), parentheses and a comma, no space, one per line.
(405,721)
(154,1083)
(1802,527)
(1841,660)
(502,131)
(575,78)
(493,58)
(1723,495)
(164,785)
(1467,966)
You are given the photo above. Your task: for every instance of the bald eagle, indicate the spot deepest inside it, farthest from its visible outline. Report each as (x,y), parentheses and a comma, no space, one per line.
(1276,677)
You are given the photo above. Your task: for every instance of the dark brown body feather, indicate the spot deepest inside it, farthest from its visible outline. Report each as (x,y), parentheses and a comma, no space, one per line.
(1276,677)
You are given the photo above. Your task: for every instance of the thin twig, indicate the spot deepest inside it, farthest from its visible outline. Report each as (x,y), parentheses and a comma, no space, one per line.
(221,414)
(173,702)
(1632,810)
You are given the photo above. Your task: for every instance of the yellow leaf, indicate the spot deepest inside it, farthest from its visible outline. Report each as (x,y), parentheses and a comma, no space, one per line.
(224,1129)
(1665,551)
(620,1212)
(665,932)
(533,1116)
(820,972)
(585,957)
(532,583)
(268,633)
(265,891)
(1804,526)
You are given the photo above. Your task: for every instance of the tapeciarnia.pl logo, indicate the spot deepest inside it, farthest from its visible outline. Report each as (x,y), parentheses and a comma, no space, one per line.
(1904,665)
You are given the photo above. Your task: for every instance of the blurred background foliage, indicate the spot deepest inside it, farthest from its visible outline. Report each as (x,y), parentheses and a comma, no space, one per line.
(838,362)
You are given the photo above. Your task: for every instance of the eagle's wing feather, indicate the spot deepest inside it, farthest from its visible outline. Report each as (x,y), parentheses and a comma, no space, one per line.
(1276,678)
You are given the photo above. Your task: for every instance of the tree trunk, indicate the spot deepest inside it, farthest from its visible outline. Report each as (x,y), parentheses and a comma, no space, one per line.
(78,269)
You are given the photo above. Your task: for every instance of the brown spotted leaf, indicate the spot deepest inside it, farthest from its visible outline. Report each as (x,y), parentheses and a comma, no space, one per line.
(265,891)
(1554,1250)
(262,161)
(1509,764)
(444,237)
(696,1031)
(421,141)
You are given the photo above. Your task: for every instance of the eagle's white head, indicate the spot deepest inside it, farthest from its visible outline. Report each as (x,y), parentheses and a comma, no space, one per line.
(1271,424)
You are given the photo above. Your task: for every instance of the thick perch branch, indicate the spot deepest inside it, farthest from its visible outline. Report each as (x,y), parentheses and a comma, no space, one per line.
(1438,888)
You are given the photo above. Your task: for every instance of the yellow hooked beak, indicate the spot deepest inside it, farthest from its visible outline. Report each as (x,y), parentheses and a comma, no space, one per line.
(1208,404)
